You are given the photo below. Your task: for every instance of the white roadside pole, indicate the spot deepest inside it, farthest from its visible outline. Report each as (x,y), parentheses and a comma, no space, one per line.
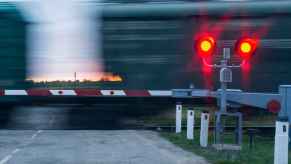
(190,124)
(281,141)
(282,127)
(178,117)
(204,129)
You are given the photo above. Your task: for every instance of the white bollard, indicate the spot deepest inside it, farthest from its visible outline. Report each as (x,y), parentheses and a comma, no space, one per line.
(190,124)
(178,118)
(281,142)
(204,129)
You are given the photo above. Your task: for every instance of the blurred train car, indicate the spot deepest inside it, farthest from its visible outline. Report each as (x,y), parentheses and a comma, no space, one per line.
(150,45)
(12,48)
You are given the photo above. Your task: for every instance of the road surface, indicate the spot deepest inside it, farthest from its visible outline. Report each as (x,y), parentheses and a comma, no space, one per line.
(90,147)
(76,135)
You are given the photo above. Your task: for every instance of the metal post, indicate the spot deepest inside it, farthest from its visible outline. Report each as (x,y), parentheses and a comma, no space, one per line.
(190,124)
(75,78)
(285,93)
(218,128)
(225,77)
(238,129)
(178,117)
(223,83)
(223,89)
(223,97)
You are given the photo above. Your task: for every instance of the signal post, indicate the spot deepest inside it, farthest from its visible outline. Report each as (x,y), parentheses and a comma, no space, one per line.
(225,76)
(274,102)
(245,47)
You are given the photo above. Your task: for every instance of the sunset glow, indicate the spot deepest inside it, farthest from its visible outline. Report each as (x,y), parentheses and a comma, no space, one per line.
(109,77)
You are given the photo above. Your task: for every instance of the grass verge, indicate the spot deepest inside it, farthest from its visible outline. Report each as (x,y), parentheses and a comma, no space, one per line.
(261,153)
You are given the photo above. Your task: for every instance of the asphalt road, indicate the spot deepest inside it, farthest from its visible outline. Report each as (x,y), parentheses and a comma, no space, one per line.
(90,147)
(74,135)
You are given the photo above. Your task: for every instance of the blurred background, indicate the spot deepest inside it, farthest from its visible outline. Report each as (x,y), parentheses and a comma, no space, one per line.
(123,44)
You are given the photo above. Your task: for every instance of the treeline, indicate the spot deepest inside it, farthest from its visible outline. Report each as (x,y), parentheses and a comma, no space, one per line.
(75,84)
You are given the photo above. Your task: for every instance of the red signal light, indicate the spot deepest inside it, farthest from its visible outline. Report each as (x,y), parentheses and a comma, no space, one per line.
(205,46)
(246,47)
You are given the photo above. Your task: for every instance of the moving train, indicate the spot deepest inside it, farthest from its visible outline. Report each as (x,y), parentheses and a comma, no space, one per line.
(12,47)
(150,45)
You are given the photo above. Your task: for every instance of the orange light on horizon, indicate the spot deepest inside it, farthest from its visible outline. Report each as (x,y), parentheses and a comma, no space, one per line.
(111,78)
(104,77)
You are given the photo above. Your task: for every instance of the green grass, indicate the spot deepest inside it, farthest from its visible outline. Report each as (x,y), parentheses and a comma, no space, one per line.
(167,117)
(261,153)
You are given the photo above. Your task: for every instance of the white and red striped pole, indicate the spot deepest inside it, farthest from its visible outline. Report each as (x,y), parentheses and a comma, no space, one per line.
(84,92)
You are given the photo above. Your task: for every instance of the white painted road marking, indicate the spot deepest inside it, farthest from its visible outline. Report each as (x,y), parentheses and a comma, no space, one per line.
(15,151)
(36,134)
(6,159)
(9,156)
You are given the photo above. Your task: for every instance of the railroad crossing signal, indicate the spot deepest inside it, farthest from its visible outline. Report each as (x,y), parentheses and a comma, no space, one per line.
(246,47)
(205,45)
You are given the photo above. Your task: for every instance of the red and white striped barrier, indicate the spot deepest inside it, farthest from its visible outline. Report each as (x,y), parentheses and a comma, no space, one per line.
(86,92)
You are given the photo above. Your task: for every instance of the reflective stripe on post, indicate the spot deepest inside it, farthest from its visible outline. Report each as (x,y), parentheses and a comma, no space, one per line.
(190,124)
(204,129)
(178,117)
